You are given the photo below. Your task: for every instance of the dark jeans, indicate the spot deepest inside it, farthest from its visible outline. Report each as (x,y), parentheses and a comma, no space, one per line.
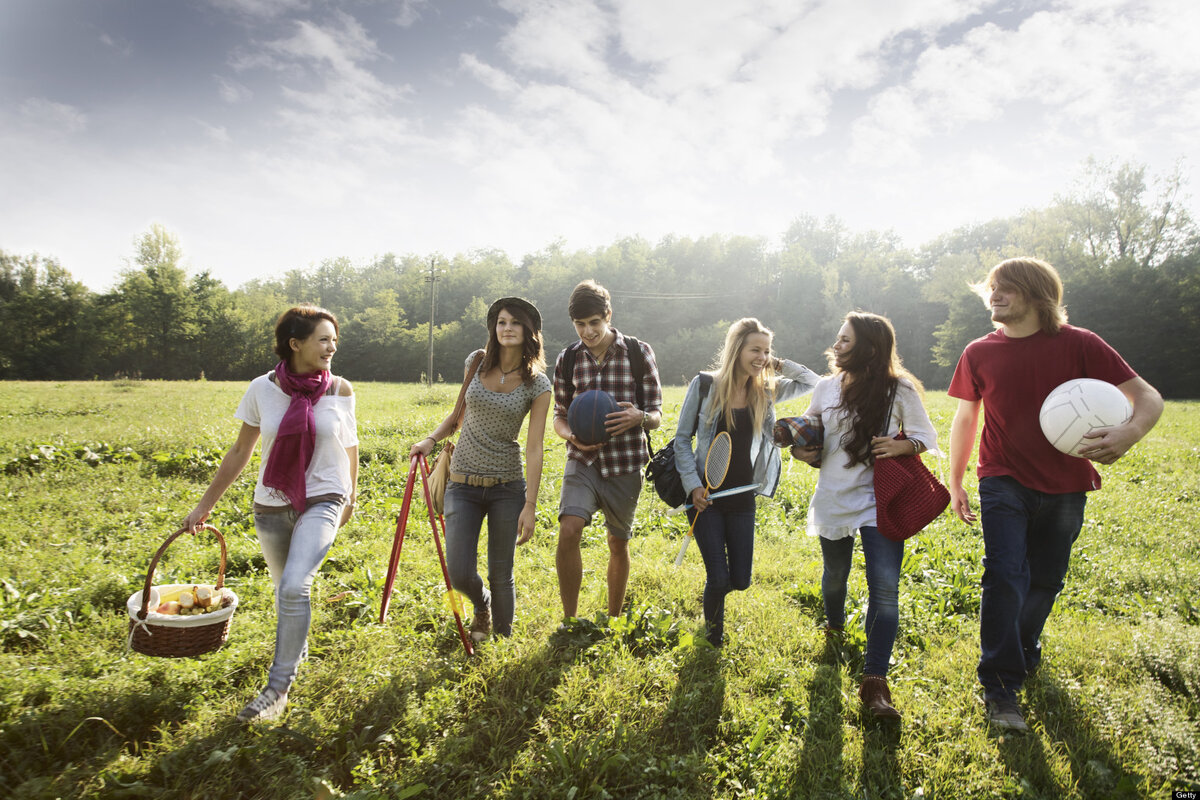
(1027,539)
(726,542)
(465,507)
(883,557)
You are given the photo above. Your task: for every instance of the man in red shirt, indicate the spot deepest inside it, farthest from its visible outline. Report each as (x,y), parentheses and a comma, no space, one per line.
(1031,496)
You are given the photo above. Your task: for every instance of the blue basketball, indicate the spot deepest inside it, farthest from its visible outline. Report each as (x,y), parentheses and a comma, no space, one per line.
(586,415)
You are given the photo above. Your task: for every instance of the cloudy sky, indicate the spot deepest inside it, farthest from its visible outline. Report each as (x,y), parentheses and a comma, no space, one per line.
(272,134)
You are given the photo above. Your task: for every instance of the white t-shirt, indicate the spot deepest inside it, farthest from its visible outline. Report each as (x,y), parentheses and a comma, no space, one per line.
(264,405)
(845,498)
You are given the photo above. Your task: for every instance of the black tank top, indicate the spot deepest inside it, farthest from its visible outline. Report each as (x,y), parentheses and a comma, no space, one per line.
(741,470)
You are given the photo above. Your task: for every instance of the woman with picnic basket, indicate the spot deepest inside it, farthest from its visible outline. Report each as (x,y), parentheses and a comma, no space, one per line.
(868,397)
(307,482)
(504,383)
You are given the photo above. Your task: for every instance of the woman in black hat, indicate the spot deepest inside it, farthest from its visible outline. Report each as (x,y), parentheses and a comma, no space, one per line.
(485,470)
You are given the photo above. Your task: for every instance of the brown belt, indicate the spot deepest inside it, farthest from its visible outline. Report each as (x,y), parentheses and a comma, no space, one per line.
(475,480)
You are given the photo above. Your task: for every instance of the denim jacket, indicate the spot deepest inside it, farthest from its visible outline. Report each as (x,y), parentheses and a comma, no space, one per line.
(793,380)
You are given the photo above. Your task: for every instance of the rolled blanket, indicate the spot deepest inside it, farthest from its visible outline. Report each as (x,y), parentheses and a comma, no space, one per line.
(803,431)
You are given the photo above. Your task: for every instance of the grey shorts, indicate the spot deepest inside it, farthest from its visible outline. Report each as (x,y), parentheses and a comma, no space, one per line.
(585,491)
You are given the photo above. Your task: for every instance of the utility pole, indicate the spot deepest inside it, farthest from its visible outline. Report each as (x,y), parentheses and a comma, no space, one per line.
(432,281)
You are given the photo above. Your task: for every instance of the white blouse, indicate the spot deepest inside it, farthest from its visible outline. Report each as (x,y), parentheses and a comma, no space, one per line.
(845,498)
(263,407)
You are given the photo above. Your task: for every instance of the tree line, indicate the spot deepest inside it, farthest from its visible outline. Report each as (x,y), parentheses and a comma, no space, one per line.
(1124,243)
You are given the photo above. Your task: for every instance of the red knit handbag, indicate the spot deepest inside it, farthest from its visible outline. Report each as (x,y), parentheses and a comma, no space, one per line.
(907,496)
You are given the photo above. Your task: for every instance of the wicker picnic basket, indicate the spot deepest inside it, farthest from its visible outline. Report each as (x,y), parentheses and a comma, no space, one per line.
(172,636)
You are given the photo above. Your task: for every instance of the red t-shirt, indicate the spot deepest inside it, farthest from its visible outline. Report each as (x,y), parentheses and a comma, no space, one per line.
(1013,377)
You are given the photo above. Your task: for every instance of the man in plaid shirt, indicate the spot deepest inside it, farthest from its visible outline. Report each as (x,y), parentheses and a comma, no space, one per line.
(603,477)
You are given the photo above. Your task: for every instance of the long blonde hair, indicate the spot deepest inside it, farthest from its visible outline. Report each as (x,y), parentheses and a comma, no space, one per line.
(760,389)
(1038,281)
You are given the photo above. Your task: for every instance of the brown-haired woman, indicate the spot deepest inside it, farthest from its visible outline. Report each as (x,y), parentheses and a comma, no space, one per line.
(485,470)
(869,392)
(307,481)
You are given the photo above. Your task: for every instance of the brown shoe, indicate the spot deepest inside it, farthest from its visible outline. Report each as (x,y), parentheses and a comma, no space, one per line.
(877,698)
(481,626)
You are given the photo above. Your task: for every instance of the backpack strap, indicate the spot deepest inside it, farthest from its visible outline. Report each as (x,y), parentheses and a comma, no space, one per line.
(637,365)
(566,369)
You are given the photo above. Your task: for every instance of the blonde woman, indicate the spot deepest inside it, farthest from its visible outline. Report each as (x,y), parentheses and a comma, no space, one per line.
(741,401)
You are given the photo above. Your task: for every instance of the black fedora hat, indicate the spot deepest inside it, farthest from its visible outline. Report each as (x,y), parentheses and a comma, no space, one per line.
(514,302)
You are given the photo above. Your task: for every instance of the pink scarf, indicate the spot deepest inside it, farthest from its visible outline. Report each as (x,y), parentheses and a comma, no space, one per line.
(294,444)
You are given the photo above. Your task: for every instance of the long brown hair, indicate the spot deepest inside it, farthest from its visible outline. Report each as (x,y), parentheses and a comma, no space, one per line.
(760,390)
(871,370)
(533,354)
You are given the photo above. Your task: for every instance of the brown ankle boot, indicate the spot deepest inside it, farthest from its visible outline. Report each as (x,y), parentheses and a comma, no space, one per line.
(877,698)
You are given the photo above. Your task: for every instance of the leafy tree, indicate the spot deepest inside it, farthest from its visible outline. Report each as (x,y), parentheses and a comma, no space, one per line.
(158,310)
(47,320)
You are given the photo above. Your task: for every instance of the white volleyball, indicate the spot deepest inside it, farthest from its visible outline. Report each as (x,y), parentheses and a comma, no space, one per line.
(1076,408)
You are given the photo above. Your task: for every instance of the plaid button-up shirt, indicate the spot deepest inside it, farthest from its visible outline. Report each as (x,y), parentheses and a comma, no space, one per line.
(627,452)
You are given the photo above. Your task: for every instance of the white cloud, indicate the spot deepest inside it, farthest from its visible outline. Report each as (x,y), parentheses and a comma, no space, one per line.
(261,9)
(495,79)
(409,12)
(232,91)
(1092,74)
(122,47)
(53,118)
(564,37)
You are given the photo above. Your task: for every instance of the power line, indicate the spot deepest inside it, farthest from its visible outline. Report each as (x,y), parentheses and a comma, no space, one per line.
(673,296)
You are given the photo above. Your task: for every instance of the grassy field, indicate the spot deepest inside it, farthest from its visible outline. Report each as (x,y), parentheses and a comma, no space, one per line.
(96,475)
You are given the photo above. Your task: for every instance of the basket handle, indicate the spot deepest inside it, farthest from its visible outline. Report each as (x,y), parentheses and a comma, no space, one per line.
(162,549)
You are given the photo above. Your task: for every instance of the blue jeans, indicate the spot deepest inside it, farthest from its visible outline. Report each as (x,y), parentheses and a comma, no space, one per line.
(726,542)
(294,546)
(1027,539)
(883,557)
(465,508)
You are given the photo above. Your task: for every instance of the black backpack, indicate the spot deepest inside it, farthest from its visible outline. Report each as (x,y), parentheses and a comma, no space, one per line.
(662,472)
(637,366)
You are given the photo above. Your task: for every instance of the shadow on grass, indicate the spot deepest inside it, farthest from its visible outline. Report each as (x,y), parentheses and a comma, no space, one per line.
(691,722)
(819,771)
(81,739)
(1094,768)
(485,739)
(881,768)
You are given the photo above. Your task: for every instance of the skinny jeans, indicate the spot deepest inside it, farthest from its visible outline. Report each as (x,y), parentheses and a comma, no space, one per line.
(465,507)
(294,546)
(883,557)
(726,542)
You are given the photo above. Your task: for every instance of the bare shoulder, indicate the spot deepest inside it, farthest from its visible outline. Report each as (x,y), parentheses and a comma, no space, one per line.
(345,389)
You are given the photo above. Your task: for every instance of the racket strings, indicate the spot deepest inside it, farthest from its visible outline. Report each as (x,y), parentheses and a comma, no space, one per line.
(716,463)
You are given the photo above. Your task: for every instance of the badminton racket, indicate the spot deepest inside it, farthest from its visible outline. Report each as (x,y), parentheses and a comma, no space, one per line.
(716,465)
(715,495)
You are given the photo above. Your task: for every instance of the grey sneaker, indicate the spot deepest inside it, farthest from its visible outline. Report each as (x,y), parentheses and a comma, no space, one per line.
(1005,715)
(481,626)
(268,705)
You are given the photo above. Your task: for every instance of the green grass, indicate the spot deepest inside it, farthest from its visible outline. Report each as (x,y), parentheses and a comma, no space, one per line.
(96,475)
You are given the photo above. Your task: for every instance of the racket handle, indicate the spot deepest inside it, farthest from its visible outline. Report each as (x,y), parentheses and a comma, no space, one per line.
(683,549)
